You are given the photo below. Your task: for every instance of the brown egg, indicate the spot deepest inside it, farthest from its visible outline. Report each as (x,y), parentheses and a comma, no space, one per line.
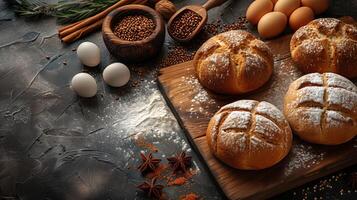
(274,1)
(257,9)
(286,6)
(318,6)
(300,17)
(272,24)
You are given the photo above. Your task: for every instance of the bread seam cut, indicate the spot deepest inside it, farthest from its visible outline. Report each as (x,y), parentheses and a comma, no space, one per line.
(218,128)
(252,125)
(324,106)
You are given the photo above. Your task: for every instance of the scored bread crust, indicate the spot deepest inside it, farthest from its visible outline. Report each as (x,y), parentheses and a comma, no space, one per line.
(249,135)
(326,45)
(233,62)
(322,108)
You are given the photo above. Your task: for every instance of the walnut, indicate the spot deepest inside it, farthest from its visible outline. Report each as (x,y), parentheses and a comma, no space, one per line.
(166,8)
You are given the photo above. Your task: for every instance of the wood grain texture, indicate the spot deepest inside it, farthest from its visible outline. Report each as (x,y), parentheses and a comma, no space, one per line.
(194,106)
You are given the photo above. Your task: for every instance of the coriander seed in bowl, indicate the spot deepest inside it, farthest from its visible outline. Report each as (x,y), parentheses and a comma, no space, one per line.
(133,33)
(134,28)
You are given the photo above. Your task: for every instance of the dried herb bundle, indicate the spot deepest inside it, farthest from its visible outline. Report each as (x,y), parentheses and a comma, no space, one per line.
(65,11)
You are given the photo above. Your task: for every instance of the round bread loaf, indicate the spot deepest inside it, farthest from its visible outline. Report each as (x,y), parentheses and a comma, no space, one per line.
(249,135)
(233,62)
(326,45)
(322,108)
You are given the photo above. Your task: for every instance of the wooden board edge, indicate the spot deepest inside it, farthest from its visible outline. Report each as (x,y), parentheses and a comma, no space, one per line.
(187,135)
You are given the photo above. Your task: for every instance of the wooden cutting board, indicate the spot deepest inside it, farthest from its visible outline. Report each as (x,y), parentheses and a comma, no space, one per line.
(194,106)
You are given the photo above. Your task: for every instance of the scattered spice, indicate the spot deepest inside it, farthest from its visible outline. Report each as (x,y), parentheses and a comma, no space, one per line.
(177,55)
(152,189)
(158,172)
(178,181)
(240,23)
(180,162)
(191,196)
(134,28)
(184,24)
(149,163)
(141,142)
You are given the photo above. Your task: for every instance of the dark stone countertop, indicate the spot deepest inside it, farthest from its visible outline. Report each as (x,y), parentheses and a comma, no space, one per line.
(54,145)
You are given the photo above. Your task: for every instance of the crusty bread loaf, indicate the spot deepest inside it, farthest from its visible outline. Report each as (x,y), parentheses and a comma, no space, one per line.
(249,135)
(326,45)
(233,62)
(322,108)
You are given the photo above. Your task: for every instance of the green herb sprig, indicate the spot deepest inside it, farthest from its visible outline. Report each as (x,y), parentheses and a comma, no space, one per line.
(65,11)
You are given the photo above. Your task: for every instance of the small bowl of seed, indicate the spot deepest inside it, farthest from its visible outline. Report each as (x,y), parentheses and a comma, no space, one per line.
(133,33)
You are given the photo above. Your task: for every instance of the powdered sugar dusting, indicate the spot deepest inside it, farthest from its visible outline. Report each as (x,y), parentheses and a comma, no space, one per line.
(312,47)
(201,100)
(241,104)
(257,143)
(302,156)
(267,128)
(235,38)
(237,120)
(235,141)
(310,94)
(314,78)
(218,59)
(329,23)
(266,108)
(342,97)
(254,64)
(311,115)
(336,119)
(335,80)
(304,33)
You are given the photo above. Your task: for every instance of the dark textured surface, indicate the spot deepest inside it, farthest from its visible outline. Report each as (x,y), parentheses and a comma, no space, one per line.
(54,145)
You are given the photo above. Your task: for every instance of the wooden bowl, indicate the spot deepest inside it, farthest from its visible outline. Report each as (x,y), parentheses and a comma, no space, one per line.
(133,51)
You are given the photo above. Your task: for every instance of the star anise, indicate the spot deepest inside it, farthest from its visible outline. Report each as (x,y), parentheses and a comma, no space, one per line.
(149,163)
(354,180)
(152,189)
(180,162)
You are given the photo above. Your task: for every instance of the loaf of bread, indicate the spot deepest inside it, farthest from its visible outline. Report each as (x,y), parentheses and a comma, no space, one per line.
(326,45)
(233,62)
(322,108)
(249,135)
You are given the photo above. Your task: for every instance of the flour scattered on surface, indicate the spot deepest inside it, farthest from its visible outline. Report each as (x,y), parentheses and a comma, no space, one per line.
(303,156)
(149,116)
(201,99)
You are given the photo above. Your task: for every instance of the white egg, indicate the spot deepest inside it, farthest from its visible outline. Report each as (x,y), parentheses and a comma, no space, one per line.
(84,85)
(89,54)
(116,74)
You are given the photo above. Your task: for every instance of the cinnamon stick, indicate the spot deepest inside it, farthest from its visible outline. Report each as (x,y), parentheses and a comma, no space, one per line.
(63,28)
(82,32)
